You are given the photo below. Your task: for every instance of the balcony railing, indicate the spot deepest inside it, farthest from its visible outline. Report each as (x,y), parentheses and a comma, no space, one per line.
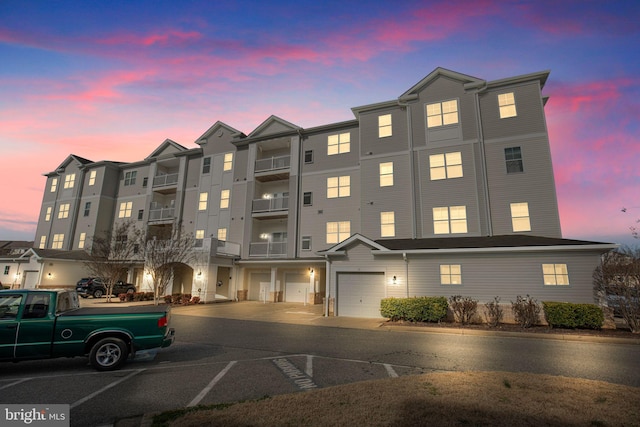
(270,205)
(268,249)
(164,180)
(161,214)
(273,163)
(217,247)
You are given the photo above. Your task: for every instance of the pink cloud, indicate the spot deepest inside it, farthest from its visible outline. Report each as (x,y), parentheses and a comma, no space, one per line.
(171,38)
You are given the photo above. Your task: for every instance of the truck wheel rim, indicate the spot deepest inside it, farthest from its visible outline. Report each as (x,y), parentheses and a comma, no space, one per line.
(108,354)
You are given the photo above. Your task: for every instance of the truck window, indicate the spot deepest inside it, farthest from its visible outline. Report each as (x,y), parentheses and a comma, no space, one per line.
(37,306)
(67,301)
(9,305)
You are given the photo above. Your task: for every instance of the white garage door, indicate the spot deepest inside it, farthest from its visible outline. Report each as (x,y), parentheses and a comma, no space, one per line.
(295,292)
(359,294)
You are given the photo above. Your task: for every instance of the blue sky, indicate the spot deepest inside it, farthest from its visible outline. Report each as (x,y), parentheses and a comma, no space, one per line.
(112,80)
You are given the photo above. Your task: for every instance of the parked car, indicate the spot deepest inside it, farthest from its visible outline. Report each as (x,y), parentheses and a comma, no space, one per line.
(94,286)
(631,302)
(43,324)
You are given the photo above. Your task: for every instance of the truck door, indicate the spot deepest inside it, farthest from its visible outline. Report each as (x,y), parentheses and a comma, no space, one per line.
(9,306)
(35,332)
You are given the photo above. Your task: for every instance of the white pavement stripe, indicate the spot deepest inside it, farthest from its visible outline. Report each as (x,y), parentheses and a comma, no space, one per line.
(309,368)
(209,386)
(105,388)
(14,383)
(392,373)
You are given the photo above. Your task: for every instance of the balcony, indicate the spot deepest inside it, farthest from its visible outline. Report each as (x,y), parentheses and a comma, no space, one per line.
(217,247)
(277,207)
(268,249)
(165,180)
(161,214)
(272,168)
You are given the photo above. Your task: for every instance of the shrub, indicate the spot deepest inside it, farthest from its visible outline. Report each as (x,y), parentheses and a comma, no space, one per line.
(186,298)
(493,312)
(168,299)
(122,297)
(195,300)
(568,315)
(416,309)
(526,311)
(464,308)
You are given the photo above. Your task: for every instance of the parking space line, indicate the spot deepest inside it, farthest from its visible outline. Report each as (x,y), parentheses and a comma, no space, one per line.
(105,388)
(309,368)
(15,383)
(392,373)
(209,386)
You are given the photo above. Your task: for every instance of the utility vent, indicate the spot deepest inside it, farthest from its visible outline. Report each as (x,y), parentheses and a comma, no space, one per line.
(320,211)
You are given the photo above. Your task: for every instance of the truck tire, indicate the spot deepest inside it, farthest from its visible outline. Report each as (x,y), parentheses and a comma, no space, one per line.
(97,293)
(108,354)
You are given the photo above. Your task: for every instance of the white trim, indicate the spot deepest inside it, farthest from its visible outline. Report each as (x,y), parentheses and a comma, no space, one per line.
(554,248)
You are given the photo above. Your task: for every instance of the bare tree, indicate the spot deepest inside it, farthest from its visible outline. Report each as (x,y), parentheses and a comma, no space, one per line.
(616,284)
(163,252)
(113,252)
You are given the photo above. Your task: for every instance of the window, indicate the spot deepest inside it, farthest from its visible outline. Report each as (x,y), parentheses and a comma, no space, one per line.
(140,214)
(384,126)
(36,306)
(199,238)
(228,162)
(443,166)
(307,199)
(130,178)
(308,156)
(87,208)
(145,181)
(520,217)
(507,105)
(306,243)
(58,241)
(69,180)
(450,274)
(442,113)
(513,158)
(6,269)
(54,185)
(125,210)
(222,234)
(338,231)
(338,187)
(555,274)
(452,219)
(10,304)
(206,165)
(81,240)
(64,211)
(386,174)
(43,241)
(387,224)
(338,144)
(224,199)
(92,178)
(47,216)
(202,204)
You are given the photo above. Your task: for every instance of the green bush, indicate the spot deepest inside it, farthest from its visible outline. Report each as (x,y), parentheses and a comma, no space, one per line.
(417,309)
(568,315)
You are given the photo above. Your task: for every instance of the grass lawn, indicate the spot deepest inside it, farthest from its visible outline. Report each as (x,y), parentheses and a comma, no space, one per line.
(435,399)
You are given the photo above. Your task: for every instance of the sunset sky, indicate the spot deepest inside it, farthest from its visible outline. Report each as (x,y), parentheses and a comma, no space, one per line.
(111,80)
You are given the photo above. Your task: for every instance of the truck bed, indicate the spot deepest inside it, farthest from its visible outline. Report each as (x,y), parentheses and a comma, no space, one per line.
(92,311)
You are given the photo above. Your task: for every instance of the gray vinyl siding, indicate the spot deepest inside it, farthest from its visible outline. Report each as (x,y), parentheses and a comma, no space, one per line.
(372,144)
(322,161)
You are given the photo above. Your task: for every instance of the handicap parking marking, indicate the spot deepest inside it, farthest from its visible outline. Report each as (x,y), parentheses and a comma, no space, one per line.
(300,379)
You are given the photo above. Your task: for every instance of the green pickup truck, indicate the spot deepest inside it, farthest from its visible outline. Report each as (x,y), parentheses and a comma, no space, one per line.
(42,324)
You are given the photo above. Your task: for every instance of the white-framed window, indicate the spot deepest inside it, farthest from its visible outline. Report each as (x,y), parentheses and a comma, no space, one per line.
(125,210)
(386,174)
(513,159)
(222,234)
(442,113)
(520,217)
(306,243)
(69,180)
(450,220)
(199,238)
(87,208)
(224,199)
(384,126)
(130,178)
(507,105)
(54,185)
(43,242)
(338,231)
(444,166)
(387,224)
(202,201)
(450,274)
(58,241)
(92,177)
(206,165)
(7,269)
(555,274)
(228,162)
(338,186)
(81,240)
(307,198)
(308,157)
(63,212)
(140,214)
(338,144)
(47,216)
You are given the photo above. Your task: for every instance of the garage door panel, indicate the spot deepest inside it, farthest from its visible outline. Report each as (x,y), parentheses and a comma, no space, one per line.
(295,292)
(359,294)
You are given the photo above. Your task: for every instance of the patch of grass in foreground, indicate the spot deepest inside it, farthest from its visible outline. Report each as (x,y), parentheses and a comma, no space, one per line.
(446,398)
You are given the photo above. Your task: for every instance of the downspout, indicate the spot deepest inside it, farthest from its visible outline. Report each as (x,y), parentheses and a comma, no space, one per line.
(327,285)
(406,271)
(483,162)
(405,104)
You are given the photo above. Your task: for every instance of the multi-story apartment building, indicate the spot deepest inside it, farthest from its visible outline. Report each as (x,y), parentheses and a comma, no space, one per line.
(448,189)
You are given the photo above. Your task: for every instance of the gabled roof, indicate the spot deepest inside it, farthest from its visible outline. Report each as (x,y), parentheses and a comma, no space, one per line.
(78,255)
(80,161)
(274,125)
(216,128)
(339,248)
(167,146)
(438,72)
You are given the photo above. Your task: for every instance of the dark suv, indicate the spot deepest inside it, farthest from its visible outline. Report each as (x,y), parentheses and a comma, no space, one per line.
(95,286)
